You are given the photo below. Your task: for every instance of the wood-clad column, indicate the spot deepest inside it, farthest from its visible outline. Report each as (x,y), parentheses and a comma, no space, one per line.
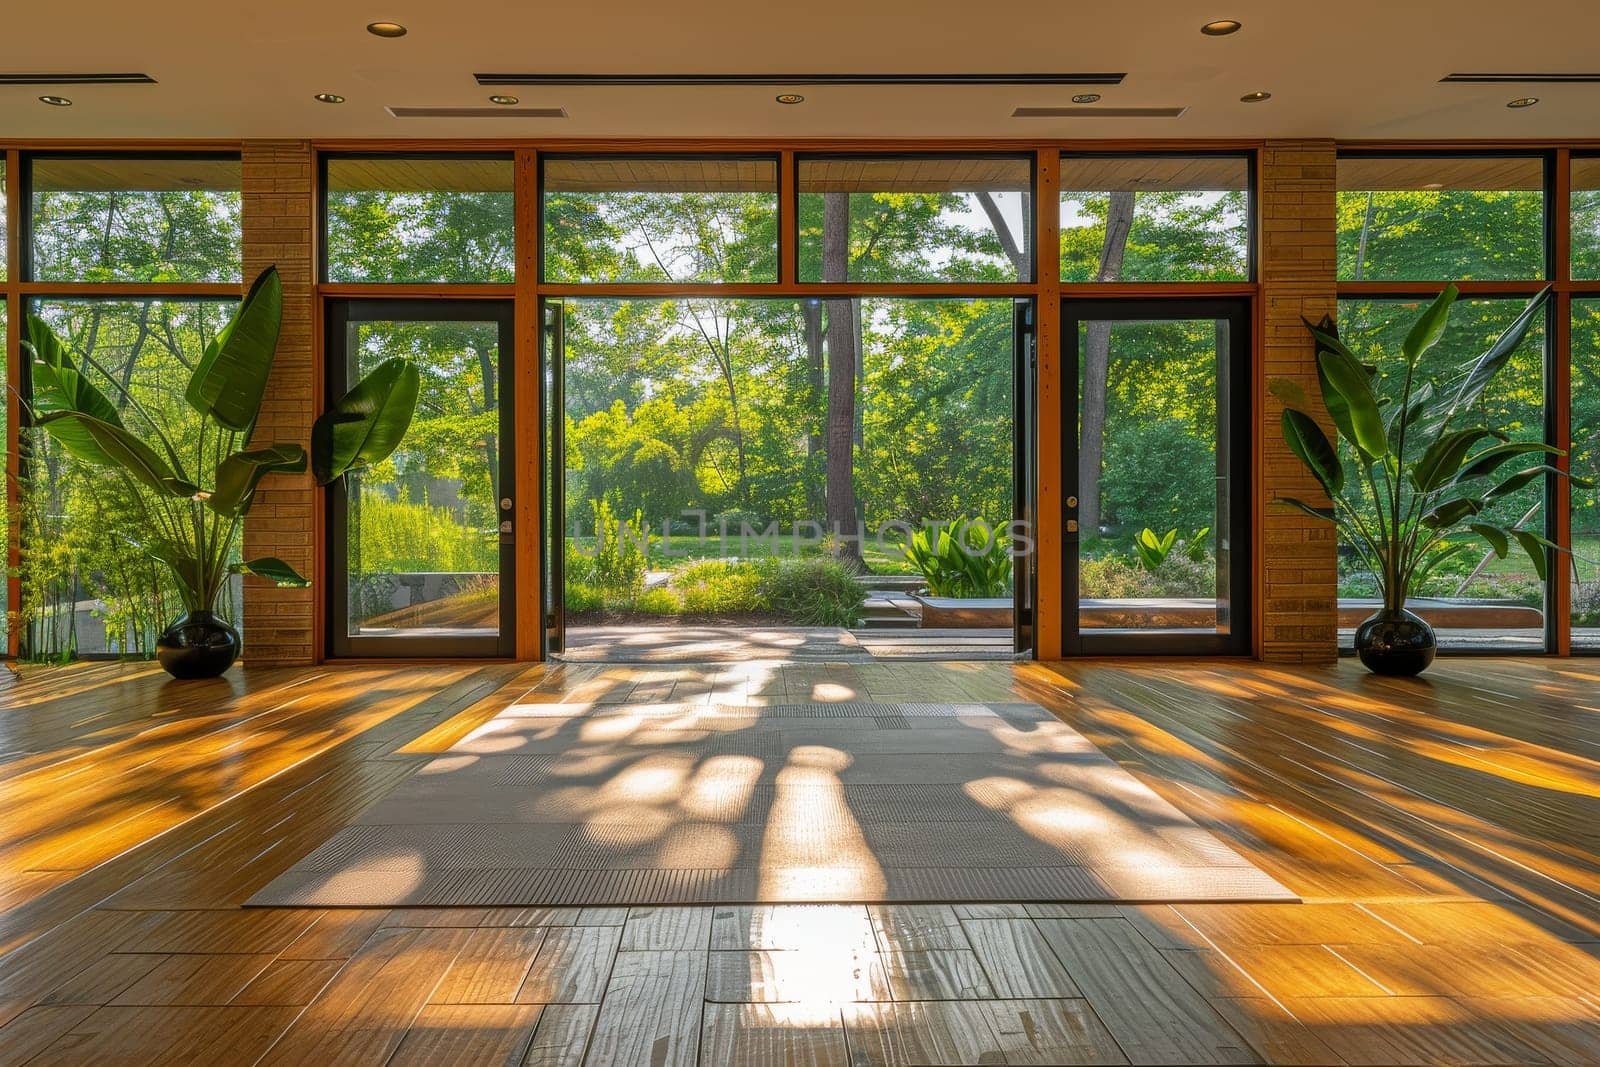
(1297,564)
(281,625)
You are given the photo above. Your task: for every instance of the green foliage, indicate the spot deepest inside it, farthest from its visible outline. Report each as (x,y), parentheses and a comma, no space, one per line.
(1153,466)
(179,522)
(1152,548)
(620,558)
(722,587)
(815,592)
(1413,480)
(659,601)
(966,558)
(399,537)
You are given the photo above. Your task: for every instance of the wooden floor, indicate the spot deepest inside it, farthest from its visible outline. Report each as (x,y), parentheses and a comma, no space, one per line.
(1444,834)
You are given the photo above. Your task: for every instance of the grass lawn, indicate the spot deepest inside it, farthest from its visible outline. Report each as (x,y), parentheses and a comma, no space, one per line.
(888,559)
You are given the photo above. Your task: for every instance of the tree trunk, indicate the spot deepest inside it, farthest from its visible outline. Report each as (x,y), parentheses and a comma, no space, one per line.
(1096,366)
(842,337)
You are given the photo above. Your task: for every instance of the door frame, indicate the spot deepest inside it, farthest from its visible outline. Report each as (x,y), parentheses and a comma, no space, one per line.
(1234,403)
(338,316)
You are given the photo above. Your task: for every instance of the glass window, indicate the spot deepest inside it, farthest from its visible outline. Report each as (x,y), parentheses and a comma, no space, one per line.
(134,218)
(87,586)
(420,219)
(916,219)
(751,431)
(1586,217)
(423,552)
(1473,599)
(5,246)
(1440,218)
(1170,218)
(660,219)
(1586,464)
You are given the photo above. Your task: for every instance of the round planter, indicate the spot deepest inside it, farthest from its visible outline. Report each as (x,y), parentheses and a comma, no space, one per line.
(1395,642)
(198,645)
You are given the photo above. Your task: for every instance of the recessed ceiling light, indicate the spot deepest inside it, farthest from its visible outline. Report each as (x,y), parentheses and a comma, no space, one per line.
(790,98)
(1086,98)
(504,101)
(329,98)
(55,101)
(1254,98)
(386,29)
(1221,27)
(1523,101)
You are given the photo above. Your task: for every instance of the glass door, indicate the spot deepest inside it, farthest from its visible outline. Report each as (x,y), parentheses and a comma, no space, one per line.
(421,549)
(1157,474)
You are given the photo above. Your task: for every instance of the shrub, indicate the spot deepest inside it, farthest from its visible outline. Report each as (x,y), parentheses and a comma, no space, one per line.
(1114,578)
(581,596)
(965,558)
(815,592)
(620,557)
(722,587)
(658,601)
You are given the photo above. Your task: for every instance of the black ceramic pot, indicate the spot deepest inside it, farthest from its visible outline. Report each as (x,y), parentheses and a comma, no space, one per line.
(198,645)
(1395,642)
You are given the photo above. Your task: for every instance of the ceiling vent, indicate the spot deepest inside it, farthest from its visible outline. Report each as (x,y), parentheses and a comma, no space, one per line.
(1098,112)
(97,78)
(1528,79)
(496,112)
(799,79)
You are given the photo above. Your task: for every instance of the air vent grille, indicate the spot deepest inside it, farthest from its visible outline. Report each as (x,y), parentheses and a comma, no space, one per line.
(477,112)
(76,79)
(1098,112)
(1528,79)
(801,79)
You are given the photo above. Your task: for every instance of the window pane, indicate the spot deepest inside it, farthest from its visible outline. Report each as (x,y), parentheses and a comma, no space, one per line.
(909,219)
(638,219)
(5,246)
(1586,464)
(420,219)
(1173,218)
(1440,218)
(135,219)
(86,586)
(1153,426)
(1586,217)
(1473,599)
(752,432)
(424,543)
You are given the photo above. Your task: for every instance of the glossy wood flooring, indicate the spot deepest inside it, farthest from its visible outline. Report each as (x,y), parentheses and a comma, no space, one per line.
(1443,834)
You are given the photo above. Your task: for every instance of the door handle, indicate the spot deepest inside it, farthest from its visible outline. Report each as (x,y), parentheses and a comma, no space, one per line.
(1072,501)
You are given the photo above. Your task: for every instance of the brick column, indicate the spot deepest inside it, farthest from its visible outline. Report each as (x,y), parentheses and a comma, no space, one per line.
(278,213)
(1297,556)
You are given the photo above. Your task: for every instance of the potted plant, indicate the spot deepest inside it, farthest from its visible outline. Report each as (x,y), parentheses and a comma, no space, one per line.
(193,499)
(1402,474)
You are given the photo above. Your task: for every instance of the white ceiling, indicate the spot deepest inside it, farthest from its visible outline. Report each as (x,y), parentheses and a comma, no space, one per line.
(1341,68)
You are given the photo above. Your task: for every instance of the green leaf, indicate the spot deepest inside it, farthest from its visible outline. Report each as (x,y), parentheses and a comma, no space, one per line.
(240,473)
(59,386)
(1517,481)
(1425,332)
(367,424)
(1451,512)
(1497,538)
(1489,364)
(1534,546)
(1306,440)
(272,569)
(121,449)
(231,377)
(1348,381)
(1490,459)
(1443,457)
